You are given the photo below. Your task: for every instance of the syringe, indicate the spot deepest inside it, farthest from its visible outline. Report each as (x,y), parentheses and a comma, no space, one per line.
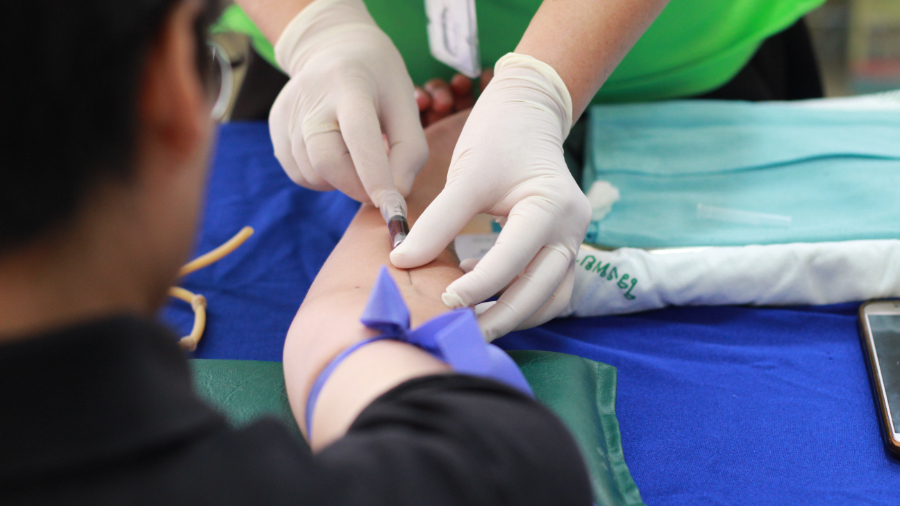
(393,209)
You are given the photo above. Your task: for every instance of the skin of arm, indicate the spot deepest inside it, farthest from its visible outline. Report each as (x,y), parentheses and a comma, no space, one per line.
(584,41)
(328,320)
(272,16)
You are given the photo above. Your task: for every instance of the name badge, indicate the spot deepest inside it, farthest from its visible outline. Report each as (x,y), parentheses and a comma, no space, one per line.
(453,34)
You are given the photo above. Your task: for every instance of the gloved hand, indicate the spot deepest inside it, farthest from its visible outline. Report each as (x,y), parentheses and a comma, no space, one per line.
(509,163)
(348,85)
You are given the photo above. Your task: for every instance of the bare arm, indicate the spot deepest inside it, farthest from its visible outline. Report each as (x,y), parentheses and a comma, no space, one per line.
(584,40)
(272,16)
(328,319)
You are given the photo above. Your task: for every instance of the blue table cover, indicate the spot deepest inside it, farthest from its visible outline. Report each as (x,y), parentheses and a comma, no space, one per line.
(717,405)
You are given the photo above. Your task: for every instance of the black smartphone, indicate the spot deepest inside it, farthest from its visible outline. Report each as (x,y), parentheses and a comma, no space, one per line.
(879,330)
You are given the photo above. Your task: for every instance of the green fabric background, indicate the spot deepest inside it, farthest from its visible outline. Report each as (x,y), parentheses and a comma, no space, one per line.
(580,391)
(694,46)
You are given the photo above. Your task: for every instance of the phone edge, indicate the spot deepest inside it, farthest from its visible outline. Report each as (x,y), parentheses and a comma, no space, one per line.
(891,446)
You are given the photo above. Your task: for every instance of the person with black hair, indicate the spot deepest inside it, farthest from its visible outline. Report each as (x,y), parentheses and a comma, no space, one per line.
(107,128)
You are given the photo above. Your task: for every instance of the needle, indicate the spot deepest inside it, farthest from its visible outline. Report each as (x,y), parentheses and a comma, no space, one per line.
(398,228)
(393,210)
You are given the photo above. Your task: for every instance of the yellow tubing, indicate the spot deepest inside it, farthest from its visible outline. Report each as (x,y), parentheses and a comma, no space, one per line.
(197,301)
(198,304)
(216,254)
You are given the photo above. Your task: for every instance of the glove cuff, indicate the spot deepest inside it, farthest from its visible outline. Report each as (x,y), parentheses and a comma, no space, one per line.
(553,85)
(317,17)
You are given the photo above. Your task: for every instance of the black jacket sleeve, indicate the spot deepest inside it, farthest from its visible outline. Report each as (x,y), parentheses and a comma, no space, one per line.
(456,440)
(434,441)
(104,414)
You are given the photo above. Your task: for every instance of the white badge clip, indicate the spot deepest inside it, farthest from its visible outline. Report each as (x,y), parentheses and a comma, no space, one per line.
(453,34)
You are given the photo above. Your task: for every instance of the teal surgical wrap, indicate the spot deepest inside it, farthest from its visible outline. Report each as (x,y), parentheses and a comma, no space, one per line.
(581,392)
(834,173)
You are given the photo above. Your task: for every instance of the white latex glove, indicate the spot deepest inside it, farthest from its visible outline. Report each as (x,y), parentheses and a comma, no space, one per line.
(348,85)
(509,163)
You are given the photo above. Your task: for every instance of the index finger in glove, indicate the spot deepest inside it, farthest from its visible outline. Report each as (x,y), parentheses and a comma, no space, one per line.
(526,231)
(362,135)
(438,225)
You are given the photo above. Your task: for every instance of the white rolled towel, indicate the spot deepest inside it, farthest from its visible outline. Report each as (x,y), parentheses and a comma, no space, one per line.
(629,280)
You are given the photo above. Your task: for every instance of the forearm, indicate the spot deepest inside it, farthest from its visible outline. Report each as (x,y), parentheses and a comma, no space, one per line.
(584,41)
(272,16)
(328,319)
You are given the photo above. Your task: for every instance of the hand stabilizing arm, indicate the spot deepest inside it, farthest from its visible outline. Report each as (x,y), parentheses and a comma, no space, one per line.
(509,163)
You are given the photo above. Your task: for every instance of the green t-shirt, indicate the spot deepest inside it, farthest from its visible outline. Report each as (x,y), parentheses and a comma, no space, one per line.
(694,46)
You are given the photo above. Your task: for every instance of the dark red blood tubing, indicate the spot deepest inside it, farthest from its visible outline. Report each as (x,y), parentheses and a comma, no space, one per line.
(398,228)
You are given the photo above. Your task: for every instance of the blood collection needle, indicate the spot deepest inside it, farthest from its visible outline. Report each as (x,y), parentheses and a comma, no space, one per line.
(393,209)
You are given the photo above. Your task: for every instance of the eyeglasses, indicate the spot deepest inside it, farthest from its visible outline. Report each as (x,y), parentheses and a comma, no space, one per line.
(221,81)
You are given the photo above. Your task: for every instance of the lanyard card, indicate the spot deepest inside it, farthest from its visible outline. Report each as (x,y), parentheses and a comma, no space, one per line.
(453,34)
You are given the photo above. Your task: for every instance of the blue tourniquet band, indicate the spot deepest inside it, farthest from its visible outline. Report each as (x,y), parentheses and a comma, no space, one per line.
(452,337)
(326,373)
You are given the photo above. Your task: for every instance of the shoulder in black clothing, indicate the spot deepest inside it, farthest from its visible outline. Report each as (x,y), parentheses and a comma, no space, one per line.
(104,413)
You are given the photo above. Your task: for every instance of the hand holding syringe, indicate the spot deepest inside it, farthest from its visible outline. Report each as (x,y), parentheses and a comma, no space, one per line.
(329,121)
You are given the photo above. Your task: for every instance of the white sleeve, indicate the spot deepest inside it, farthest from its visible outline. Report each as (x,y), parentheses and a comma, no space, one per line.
(630,280)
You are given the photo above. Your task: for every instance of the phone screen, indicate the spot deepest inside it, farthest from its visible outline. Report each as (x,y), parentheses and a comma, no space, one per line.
(886,336)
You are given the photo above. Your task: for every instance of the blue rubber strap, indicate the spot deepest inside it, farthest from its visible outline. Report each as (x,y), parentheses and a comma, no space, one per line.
(326,373)
(385,310)
(452,337)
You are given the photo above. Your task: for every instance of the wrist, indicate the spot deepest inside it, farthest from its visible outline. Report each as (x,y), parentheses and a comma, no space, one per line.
(317,18)
(542,75)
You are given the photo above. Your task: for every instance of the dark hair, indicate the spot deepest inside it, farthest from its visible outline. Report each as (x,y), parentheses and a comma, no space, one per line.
(68,98)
